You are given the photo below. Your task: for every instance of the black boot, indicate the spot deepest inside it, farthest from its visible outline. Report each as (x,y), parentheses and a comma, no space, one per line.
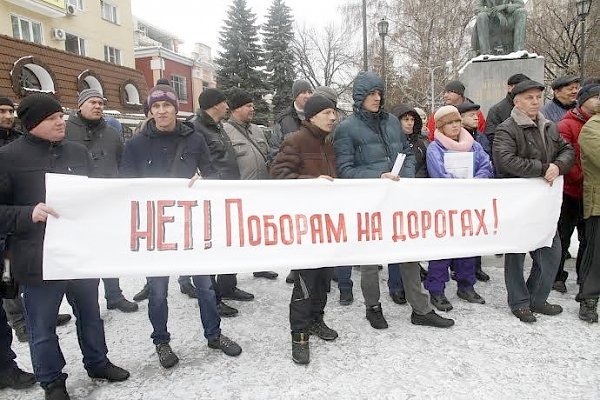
(189,289)
(588,310)
(56,390)
(166,357)
(15,378)
(441,302)
(123,305)
(226,345)
(375,317)
(143,294)
(300,348)
(62,319)
(266,274)
(225,310)
(346,297)
(431,319)
(398,297)
(481,276)
(290,278)
(110,372)
(320,329)
(559,286)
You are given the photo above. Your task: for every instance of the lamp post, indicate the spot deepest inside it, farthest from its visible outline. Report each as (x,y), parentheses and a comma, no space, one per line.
(431,70)
(364,21)
(583,9)
(382,28)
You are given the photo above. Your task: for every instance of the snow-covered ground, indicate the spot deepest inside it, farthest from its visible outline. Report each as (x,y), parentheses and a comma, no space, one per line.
(488,354)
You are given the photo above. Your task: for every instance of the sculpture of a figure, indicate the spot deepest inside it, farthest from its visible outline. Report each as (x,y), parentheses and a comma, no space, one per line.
(499,27)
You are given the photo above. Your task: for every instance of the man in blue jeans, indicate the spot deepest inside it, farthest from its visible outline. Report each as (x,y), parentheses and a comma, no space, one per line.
(168,148)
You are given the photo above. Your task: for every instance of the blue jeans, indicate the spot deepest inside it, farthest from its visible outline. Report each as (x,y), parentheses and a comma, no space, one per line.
(112,290)
(344,275)
(7,356)
(395,284)
(158,309)
(41,309)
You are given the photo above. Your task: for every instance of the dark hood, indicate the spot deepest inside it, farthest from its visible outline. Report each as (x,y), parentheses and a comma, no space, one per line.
(365,83)
(402,109)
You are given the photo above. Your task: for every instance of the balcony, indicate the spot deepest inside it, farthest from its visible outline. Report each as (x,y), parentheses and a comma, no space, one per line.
(48,8)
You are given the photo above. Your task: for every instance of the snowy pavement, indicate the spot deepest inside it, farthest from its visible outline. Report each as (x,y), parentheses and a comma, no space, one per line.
(488,354)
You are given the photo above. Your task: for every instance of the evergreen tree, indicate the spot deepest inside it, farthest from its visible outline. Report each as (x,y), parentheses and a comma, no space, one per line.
(241,63)
(278,36)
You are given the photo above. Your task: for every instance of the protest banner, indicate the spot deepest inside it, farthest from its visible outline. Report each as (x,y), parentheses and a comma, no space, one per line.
(155,227)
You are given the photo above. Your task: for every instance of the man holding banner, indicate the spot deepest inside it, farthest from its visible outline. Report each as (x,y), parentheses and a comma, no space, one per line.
(527,145)
(168,148)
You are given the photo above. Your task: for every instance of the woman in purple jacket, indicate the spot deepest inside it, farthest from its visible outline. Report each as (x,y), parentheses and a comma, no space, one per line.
(451,137)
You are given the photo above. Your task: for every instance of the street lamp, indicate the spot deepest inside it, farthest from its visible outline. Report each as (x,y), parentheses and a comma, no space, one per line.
(364,21)
(382,28)
(583,9)
(431,70)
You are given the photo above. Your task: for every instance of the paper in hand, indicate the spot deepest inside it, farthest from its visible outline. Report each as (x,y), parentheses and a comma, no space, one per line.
(398,164)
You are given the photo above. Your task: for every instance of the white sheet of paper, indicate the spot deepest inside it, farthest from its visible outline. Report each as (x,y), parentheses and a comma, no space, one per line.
(459,164)
(398,164)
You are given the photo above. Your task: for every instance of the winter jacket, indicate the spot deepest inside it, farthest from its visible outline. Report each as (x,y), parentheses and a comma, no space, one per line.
(589,142)
(156,154)
(222,155)
(23,165)
(417,142)
(480,126)
(286,123)
(251,149)
(482,168)
(103,143)
(520,152)
(569,127)
(482,140)
(8,135)
(497,115)
(555,111)
(366,144)
(306,153)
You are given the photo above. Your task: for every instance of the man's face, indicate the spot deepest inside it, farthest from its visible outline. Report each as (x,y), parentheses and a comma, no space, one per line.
(52,128)
(407,122)
(325,120)
(452,129)
(244,113)
(92,108)
(221,110)
(591,105)
(7,117)
(529,102)
(165,115)
(301,99)
(567,94)
(470,119)
(452,99)
(372,102)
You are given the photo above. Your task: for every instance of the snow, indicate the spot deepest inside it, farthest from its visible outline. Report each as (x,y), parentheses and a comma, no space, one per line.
(490,57)
(488,354)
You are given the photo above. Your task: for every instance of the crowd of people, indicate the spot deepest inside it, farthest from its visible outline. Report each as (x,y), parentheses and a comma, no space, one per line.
(311,139)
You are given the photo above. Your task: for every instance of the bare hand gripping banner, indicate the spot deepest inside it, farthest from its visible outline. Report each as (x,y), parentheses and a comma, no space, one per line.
(156,227)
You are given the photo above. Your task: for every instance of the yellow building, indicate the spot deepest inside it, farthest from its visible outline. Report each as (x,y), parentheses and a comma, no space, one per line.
(100,29)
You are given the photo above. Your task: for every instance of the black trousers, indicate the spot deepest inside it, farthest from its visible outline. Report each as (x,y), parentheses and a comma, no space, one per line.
(571,217)
(223,284)
(589,274)
(309,298)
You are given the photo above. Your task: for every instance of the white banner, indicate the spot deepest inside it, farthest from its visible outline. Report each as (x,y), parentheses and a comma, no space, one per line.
(155,227)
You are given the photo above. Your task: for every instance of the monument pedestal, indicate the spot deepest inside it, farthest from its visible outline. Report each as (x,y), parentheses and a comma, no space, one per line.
(485,77)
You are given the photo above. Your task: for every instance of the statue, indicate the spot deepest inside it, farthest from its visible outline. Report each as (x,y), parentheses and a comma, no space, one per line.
(499,26)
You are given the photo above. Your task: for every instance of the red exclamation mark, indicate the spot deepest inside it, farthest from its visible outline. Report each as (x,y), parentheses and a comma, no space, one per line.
(495,205)
(207,225)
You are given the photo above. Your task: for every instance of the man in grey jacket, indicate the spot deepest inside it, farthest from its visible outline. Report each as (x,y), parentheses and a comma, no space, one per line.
(565,97)
(88,127)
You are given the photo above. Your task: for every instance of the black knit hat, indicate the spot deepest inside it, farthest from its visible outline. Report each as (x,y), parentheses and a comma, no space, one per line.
(587,92)
(455,87)
(210,97)
(5,101)
(315,104)
(238,98)
(517,78)
(35,108)
(300,86)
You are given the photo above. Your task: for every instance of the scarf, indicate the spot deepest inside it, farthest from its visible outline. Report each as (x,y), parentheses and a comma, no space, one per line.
(465,141)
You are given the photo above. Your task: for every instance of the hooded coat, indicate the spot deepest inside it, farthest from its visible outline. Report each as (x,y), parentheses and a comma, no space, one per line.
(366,144)
(416,141)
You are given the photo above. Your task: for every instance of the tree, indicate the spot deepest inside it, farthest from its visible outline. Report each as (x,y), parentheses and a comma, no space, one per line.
(278,36)
(241,63)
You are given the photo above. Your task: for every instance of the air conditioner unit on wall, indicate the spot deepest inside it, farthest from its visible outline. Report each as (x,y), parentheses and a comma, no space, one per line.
(59,34)
(71,9)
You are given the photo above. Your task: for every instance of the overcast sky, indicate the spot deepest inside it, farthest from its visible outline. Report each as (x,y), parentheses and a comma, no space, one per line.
(201,21)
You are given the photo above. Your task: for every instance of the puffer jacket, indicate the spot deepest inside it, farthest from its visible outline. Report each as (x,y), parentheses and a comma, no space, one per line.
(570,127)
(417,142)
(520,152)
(103,143)
(482,168)
(306,153)
(366,144)
(554,110)
(222,154)
(589,142)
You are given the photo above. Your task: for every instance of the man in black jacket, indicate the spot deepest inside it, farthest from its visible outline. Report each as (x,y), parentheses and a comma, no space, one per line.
(89,128)
(23,165)
(527,145)
(500,111)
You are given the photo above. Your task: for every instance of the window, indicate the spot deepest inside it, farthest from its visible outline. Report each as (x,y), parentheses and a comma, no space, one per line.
(75,44)
(112,55)
(31,75)
(179,86)
(76,3)
(109,12)
(26,29)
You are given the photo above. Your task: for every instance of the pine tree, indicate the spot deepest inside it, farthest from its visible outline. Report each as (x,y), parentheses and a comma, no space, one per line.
(241,63)
(278,36)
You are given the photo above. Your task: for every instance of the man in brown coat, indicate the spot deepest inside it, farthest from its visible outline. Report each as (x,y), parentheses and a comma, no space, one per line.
(307,153)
